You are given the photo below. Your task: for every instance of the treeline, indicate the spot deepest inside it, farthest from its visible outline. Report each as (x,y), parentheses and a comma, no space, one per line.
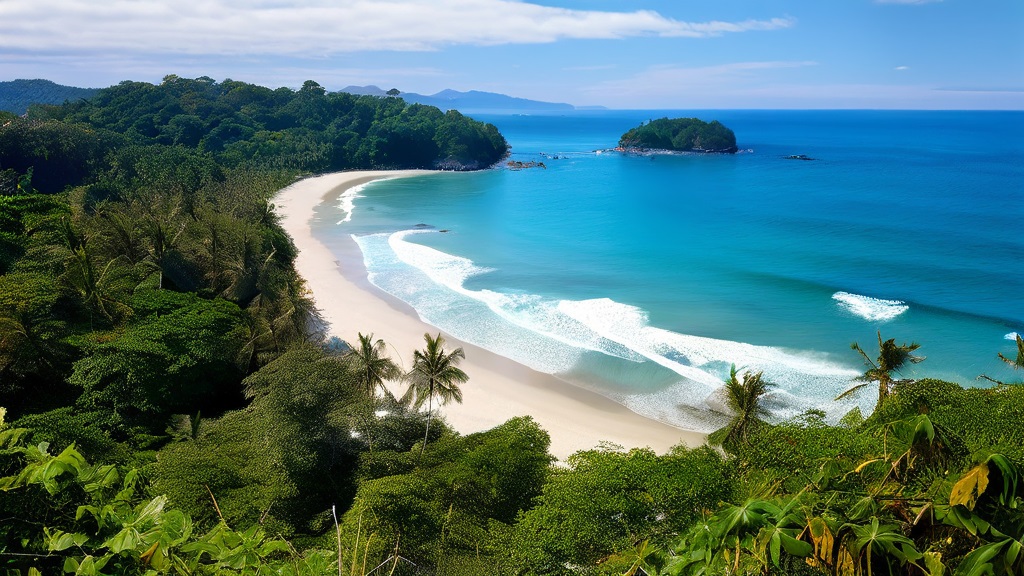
(17,95)
(680,134)
(236,124)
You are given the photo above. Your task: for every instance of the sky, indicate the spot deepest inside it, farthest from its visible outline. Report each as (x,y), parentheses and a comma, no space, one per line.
(627,54)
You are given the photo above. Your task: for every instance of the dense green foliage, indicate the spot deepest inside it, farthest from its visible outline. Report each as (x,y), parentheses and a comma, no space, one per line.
(237,124)
(606,501)
(17,95)
(680,134)
(444,511)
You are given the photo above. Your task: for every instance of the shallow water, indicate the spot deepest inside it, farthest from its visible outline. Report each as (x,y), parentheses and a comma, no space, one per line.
(646,277)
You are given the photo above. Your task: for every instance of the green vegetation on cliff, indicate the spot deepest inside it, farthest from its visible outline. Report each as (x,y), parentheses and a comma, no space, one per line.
(680,134)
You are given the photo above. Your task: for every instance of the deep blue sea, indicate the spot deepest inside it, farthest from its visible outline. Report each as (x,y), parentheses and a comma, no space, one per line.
(645,277)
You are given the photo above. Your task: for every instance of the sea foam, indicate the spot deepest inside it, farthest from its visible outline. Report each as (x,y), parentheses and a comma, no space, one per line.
(347,202)
(347,199)
(868,308)
(561,337)
(802,380)
(525,310)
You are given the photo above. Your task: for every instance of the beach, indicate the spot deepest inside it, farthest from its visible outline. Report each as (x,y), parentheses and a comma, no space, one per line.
(498,388)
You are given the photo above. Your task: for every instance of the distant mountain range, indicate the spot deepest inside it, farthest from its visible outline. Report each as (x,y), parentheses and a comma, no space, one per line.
(472,100)
(17,95)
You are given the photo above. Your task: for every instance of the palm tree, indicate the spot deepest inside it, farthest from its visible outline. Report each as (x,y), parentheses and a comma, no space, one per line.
(891,358)
(743,397)
(372,364)
(1018,362)
(1015,363)
(435,373)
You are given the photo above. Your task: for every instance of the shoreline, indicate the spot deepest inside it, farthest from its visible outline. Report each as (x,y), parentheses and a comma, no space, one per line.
(499,388)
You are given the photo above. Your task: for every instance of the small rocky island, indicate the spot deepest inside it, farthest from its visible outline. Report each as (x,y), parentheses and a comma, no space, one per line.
(679,135)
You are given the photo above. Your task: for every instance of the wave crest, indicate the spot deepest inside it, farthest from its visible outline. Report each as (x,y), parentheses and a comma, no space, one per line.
(656,372)
(868,308)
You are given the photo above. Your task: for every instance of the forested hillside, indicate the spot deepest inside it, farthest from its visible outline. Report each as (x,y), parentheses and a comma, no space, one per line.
(680,134)
(169,404)
(17,95)
(234,124)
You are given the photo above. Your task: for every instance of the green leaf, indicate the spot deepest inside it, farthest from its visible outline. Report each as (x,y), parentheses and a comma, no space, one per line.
(127,539)
(796,547)
(978,562)
(102,477)
(59,540)
(776,544)
(152,509)
(83,509)
(87,567)
(1013,552)
(272,546)
(202,547)
(1010,477)
(176,526)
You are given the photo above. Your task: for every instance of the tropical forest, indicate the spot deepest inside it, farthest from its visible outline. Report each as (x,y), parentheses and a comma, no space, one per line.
(170,402)
(680,135)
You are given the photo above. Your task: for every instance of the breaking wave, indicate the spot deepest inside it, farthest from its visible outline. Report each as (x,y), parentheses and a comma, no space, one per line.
(598,343)
(868,308)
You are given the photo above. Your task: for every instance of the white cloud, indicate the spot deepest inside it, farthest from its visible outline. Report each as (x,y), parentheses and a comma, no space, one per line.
(901,68)
(318,28)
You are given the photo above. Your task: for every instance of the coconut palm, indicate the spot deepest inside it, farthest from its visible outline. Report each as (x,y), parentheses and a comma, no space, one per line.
(435,373)
(1015,363)
(1018,362)
(891,358)
(743,398)
(372,364)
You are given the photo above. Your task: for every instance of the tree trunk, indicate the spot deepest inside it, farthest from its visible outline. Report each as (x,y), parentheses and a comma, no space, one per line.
(430,409)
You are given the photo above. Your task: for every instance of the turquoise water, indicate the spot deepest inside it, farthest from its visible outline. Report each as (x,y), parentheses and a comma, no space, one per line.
(646,277)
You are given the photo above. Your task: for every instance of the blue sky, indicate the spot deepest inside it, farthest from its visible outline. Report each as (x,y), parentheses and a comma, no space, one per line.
(905,54)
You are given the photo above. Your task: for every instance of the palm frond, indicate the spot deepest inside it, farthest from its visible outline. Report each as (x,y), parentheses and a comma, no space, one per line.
(1017,363)
(852,389)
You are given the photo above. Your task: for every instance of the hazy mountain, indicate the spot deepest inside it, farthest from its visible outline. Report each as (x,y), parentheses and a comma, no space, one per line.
(472,100)
(364,90)
(17,95)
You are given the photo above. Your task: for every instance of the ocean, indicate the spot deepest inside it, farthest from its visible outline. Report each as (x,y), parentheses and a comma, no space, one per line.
(645,278)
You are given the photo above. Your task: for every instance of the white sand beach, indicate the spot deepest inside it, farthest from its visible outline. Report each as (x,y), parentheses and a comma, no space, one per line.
(499,388)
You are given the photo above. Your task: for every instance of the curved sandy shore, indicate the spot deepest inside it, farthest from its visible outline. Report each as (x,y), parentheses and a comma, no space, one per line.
(499,388)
